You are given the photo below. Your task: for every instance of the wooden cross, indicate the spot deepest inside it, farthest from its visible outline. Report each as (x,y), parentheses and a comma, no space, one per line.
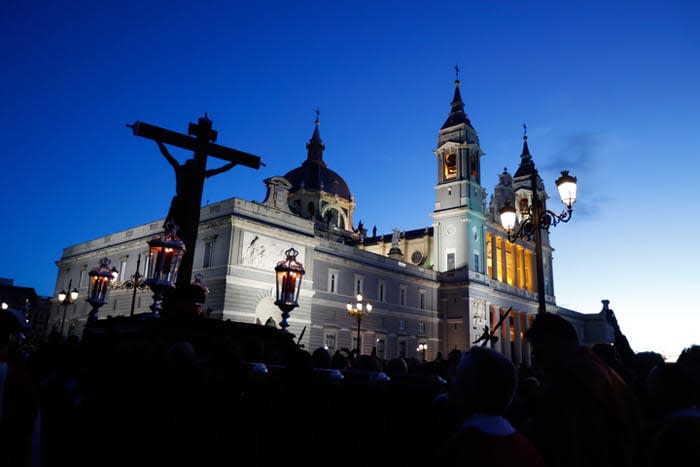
(190,175)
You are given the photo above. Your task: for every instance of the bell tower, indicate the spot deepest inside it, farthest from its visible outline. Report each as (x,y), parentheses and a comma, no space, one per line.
(458,218)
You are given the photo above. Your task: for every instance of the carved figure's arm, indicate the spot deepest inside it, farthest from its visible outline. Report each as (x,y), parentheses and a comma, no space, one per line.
(223,168)
(166,154)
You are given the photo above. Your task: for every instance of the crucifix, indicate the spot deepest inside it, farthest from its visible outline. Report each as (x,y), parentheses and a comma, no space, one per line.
(189,177)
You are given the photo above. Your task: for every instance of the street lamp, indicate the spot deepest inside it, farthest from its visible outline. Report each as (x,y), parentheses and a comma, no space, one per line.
(135,282)
(65,299)
(289,273)
(537,218)
(359,310)
(165,253)
(100,278)
(422,347)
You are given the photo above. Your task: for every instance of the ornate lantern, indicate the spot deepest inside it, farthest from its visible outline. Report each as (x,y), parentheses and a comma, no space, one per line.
(289,274)
(165,254)
(100,280)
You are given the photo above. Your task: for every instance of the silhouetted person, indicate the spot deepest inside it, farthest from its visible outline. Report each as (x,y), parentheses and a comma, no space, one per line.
(321,358)
(690,359)
(483,388)
(19,402)
(586,415)
(672,393)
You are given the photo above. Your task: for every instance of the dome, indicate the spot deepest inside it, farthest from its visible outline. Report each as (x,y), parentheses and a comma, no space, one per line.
(314,176)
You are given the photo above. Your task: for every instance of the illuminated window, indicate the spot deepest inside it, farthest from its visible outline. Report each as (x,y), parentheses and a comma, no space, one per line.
(510,264)
(450,166)
(529,283)
(489,255)
(499,255)
(520,262)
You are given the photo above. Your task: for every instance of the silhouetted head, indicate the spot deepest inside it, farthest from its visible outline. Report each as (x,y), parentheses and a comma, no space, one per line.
(485,381)
(553,340)
(321,358)
(671,386)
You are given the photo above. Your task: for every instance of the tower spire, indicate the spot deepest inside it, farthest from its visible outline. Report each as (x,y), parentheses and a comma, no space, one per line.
(315,145)
(457,114)
(527,164)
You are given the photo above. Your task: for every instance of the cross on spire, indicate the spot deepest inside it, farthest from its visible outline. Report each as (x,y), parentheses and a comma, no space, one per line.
(457,72)
(318,112)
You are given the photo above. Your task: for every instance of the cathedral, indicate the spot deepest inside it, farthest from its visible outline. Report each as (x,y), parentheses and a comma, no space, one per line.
(432,289)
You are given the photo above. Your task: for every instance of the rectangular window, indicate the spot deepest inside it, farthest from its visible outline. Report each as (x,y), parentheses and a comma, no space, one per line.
(82,278)
(450,261)
(208,260)
(520,263)
(380,292)
(402,348)
(510,264)
(476,262)
(402,325)
(489,255)
(122,270)
(421,298)
(381,348)
(499,258)
(402,295)
(356,343)
(421,328)
(146,263)
(359,285)
(330,342)
(333,282)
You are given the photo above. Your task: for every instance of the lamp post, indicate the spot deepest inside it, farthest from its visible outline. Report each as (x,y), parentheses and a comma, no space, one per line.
(423,347)
(165,253)
(65,299)
(536,219)
(135,282)
(359,310)
(100,279)
(289,273)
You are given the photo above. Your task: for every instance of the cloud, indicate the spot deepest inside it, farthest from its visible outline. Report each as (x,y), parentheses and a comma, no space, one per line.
(585,155)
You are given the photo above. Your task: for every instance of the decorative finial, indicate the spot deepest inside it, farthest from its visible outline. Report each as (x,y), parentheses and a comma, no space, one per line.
(318,112)
(524,132)
(457,72)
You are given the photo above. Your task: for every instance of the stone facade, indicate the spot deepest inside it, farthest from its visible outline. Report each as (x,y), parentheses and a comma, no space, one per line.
(440,285)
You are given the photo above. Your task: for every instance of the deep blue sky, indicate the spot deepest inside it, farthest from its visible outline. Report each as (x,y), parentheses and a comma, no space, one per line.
(609,90)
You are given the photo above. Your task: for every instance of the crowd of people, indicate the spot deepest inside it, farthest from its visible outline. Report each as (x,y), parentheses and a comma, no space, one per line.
(227,400)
